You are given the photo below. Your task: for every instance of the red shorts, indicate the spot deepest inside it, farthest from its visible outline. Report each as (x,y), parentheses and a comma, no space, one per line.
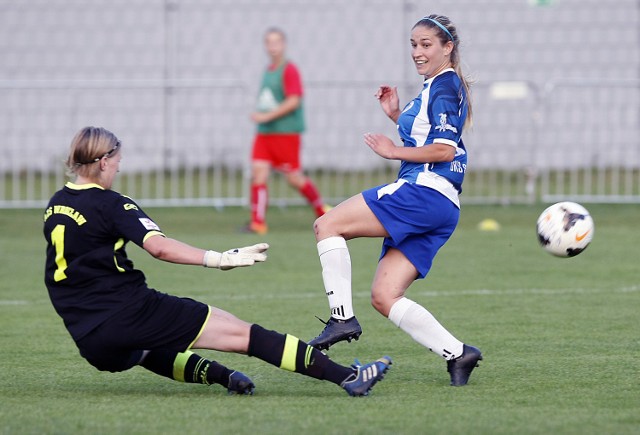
(282,151)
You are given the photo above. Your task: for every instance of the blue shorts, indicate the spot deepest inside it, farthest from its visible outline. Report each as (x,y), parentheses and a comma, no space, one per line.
(419,221)
(161,321)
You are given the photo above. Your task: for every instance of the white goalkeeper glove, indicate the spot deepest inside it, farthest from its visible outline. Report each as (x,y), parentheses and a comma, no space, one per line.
(239,257)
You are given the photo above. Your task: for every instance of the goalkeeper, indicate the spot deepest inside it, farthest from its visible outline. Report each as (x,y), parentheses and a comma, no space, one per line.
(118,322)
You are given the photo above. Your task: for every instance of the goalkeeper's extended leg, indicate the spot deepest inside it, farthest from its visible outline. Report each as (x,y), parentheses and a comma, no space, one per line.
(290,353)
(225,332)
(192,368)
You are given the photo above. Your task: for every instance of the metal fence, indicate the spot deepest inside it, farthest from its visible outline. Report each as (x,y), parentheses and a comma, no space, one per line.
(590,141)
(570,140)
(176,80)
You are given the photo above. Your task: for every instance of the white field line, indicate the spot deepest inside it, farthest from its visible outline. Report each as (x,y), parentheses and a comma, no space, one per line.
(447,293)
(8,302)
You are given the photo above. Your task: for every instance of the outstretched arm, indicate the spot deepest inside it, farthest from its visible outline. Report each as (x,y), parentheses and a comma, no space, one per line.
(175,251)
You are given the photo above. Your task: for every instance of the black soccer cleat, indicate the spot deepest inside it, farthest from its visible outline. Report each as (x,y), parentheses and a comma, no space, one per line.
(239,383)
(366,376)
(460,368)
(336,331)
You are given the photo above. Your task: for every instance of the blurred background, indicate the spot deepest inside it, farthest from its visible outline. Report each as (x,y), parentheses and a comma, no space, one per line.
(556,94)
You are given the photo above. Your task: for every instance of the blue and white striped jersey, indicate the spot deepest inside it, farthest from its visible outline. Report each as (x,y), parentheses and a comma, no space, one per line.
(437,115)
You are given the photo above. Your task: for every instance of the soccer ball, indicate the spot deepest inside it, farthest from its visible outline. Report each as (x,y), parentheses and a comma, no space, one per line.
(565,229)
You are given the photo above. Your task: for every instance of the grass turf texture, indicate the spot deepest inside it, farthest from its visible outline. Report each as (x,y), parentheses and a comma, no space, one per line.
(559,336)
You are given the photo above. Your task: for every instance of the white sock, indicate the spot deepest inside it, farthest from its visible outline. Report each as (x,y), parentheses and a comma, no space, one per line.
(336,275)
(420,324)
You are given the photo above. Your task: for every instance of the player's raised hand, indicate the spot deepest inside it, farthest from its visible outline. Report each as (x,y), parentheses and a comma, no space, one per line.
(239,257)
(389,101)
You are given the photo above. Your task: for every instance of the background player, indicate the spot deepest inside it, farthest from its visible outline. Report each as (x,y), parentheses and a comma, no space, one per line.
(280,119)
(417,214)
(118,322)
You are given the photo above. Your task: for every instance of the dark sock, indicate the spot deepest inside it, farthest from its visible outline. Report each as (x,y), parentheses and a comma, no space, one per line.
(290,353)
(186,367)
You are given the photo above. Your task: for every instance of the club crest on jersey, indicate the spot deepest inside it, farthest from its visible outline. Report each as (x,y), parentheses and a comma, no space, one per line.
(443,124)
(149,224)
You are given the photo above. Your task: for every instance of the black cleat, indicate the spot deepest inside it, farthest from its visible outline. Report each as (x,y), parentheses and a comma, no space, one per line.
(460,368)
(239,383)
(366,376)
(336,331)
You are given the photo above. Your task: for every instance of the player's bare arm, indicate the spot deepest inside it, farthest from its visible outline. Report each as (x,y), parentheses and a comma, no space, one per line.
(432,153)
(175,251)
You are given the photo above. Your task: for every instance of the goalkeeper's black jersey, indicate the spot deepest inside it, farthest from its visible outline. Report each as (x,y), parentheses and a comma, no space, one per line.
(87,271)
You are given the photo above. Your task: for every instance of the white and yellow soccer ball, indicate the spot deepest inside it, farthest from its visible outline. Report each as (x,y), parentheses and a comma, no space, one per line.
(565,229)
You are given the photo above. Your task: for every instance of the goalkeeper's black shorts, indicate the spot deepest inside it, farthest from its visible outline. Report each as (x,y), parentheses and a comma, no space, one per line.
(162,322)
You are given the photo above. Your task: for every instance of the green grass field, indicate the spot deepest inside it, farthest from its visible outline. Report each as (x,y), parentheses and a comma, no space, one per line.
(560,337)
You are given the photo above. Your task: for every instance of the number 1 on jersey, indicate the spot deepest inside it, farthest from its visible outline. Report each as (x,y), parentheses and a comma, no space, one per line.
(57,240)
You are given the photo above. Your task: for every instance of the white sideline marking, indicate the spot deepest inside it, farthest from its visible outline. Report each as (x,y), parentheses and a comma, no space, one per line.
(13,302)
(447,293)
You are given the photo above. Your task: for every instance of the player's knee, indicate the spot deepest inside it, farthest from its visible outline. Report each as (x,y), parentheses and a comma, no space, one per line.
(296,179)
(107,358)
(259,174)
(323,227)
(259,179)
(318,226)
(380,302)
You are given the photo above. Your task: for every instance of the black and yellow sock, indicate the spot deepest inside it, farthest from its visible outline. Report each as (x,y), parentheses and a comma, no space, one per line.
(290,353)
(186,367)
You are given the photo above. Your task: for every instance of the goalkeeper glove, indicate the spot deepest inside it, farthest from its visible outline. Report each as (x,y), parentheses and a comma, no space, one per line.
(239,257)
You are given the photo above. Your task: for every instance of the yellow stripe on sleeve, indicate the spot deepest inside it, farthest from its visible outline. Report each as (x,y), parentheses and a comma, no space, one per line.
(119,244)
(151,234)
